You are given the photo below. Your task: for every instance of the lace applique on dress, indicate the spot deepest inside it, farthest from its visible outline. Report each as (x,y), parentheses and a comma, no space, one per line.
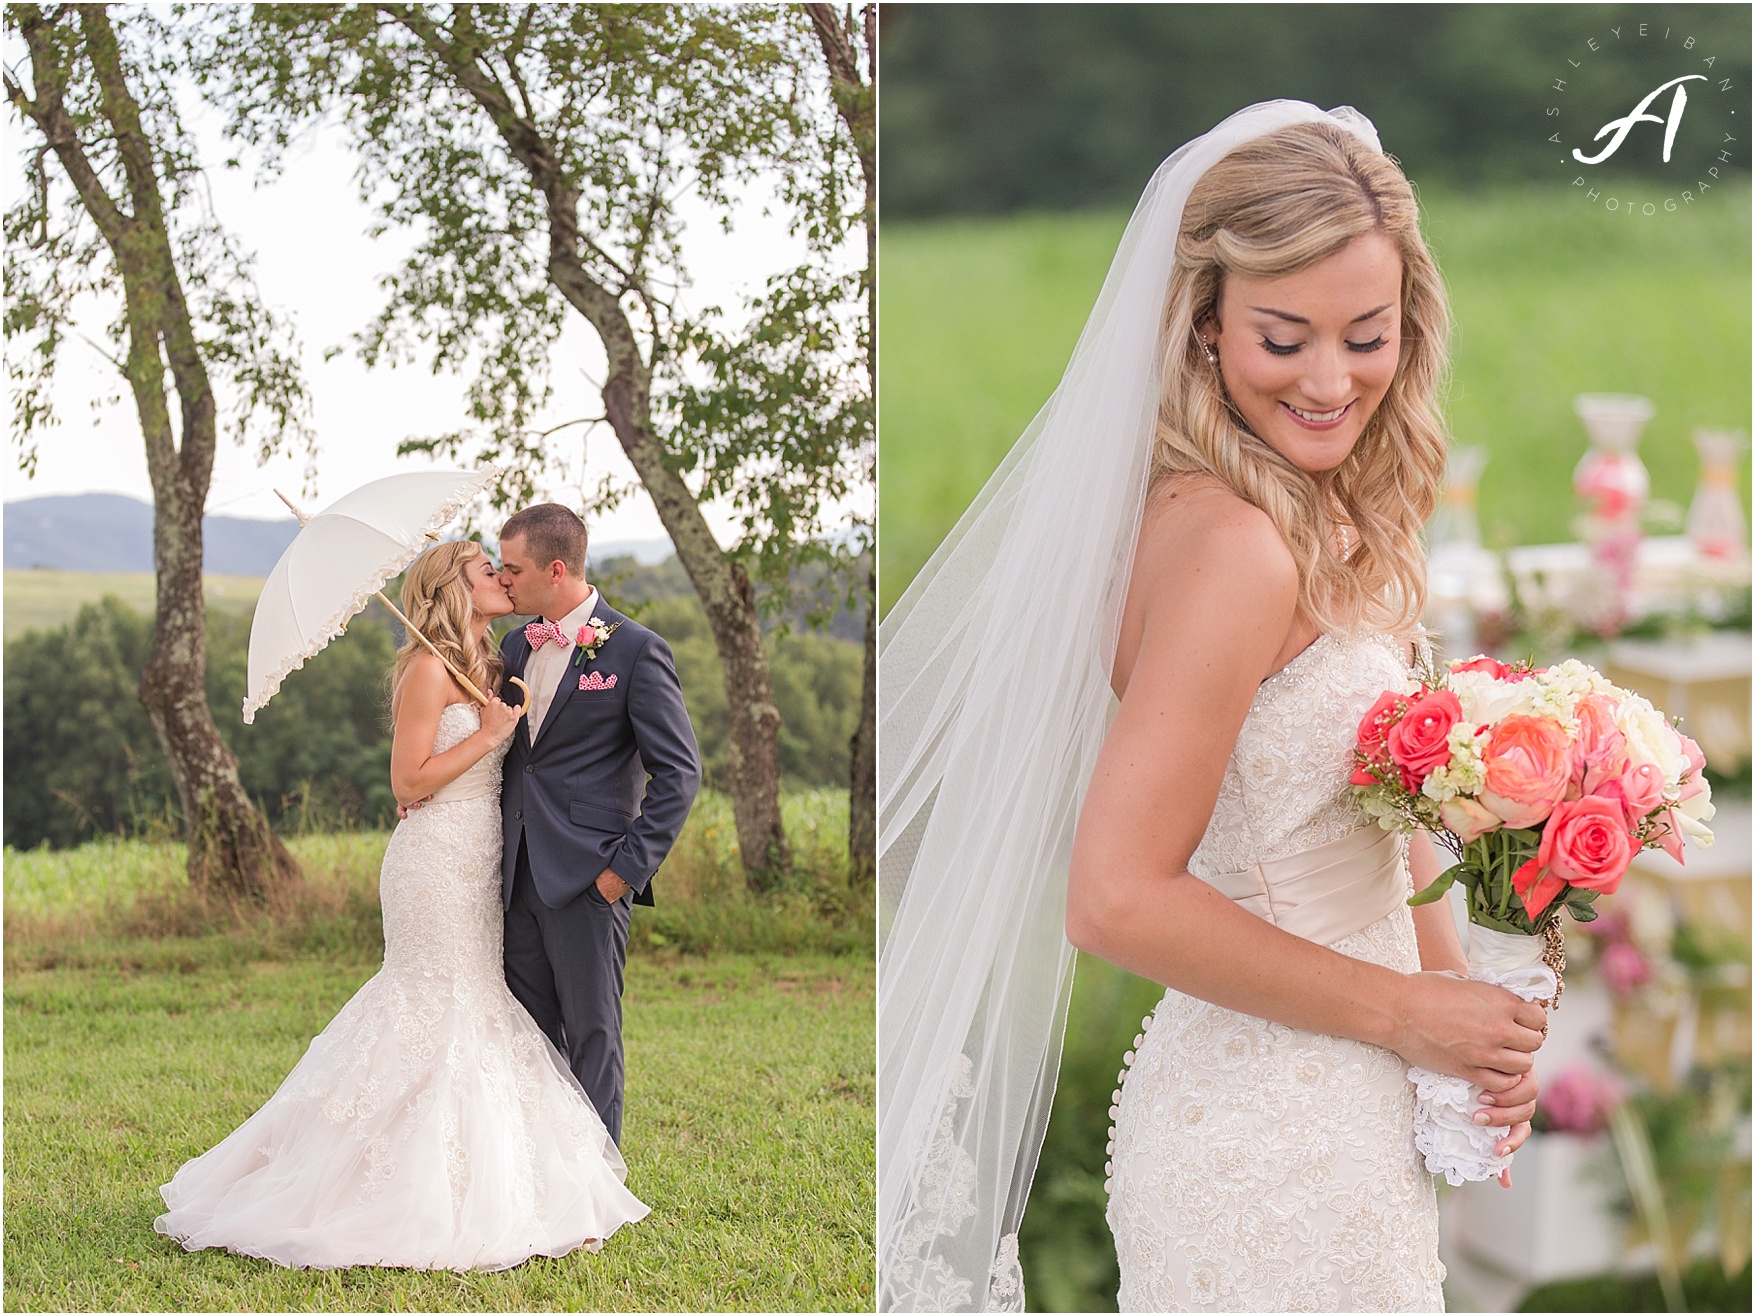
(1256,1167)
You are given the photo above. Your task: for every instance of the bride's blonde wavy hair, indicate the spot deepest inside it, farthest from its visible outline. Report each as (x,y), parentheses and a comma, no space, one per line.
(1272,207)
(435,597)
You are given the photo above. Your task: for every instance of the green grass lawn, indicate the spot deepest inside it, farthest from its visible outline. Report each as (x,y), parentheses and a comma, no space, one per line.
(748,1132)
(1551,299)
(42,598)
(137,1036)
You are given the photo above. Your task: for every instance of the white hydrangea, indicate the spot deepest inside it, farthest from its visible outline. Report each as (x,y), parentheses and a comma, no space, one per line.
(1463,775)
(1578,679)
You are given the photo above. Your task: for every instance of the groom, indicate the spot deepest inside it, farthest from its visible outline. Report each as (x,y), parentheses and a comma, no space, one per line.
(598,781)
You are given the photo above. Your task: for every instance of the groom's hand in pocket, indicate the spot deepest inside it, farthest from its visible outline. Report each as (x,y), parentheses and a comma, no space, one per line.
(611,887)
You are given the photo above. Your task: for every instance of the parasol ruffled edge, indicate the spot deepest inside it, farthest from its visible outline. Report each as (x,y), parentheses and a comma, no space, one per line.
(338,623)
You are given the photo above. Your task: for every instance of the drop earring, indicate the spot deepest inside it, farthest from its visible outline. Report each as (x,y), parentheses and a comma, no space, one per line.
(1207,348)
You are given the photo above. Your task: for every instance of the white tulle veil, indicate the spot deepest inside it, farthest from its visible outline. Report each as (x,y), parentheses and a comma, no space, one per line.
(994,699)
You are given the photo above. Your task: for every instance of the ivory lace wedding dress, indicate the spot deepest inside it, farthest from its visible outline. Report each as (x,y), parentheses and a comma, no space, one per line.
(1256,1167)
(431,1124)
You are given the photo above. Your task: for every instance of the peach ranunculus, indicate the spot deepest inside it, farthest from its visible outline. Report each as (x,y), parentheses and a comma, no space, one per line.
(1599,750)
(1527,766)
(1420,742)
(1468,819)
(1585,844)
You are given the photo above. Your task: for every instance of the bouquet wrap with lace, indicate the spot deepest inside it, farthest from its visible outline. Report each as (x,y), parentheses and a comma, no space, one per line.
(1544,783)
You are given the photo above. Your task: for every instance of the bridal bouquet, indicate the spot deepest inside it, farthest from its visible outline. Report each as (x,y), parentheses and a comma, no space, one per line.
(1544,783)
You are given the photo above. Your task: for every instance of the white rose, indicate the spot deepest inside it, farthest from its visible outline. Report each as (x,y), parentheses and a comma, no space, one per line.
(1650,739)
(1485,700)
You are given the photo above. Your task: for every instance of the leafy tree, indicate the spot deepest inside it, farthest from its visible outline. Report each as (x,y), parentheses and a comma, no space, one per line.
(990,108)
(80,754)
(855,90)
(132,222)
(539,153)
(81,759)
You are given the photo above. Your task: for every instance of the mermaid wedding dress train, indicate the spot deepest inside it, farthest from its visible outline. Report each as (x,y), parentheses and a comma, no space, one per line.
(1256,1167)
(432,1124)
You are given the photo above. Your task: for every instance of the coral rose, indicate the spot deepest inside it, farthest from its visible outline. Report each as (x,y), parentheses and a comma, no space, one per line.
(1527,767)
(1535,886)
(1420,741)
(1480,663)
(1586,843)
(1374,726)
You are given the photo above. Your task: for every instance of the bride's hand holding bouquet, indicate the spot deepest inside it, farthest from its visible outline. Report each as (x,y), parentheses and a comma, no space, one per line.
(1544,783)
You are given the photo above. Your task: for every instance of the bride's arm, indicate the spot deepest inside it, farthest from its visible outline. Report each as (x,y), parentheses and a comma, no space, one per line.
(415,771)
(1216,591)
(1434,927)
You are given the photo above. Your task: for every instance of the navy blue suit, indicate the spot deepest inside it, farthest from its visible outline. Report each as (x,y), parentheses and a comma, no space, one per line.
(607,784)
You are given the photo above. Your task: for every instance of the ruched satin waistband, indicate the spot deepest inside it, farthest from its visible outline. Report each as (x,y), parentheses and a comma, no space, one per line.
(466,787)
(1325,893)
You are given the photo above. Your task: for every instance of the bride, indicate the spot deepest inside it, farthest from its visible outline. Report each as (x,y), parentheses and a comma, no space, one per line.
(1216,519)
(432,1124)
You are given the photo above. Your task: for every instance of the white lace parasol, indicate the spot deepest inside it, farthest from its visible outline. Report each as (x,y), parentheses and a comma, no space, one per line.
(340,559)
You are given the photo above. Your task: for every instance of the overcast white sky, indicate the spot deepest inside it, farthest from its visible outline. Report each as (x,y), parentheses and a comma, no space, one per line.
(308,230)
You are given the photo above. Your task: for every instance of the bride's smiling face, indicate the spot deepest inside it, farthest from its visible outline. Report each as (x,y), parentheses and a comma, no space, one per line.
(1307,357)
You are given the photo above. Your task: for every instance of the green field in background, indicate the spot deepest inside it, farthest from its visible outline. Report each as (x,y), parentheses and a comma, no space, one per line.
(42,597)
(1551,299)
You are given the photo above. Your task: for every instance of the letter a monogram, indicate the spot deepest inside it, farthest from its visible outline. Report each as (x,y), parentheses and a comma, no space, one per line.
(1621,127)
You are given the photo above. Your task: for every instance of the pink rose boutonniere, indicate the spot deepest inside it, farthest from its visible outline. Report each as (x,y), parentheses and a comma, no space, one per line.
(590,639)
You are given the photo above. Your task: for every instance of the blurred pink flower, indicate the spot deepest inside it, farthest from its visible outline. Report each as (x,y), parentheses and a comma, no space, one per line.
(1623,967)
(1578,1100)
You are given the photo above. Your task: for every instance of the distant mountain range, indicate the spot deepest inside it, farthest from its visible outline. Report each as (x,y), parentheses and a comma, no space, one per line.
(112,532)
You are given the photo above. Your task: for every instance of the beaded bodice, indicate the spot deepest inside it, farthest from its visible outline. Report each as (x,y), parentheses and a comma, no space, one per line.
(1285,786)
(457,723)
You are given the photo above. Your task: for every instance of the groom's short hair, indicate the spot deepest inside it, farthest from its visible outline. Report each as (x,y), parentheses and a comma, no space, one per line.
(551,533)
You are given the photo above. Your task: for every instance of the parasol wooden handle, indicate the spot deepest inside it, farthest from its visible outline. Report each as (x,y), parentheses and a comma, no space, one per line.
(462,680)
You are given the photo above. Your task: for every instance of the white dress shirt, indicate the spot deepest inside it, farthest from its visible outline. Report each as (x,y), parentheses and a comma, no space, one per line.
(548,666)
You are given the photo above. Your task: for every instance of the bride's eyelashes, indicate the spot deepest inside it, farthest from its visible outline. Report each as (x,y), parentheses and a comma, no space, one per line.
(1287,349)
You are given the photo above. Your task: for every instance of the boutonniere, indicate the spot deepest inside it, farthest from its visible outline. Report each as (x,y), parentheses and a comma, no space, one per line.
(590,639)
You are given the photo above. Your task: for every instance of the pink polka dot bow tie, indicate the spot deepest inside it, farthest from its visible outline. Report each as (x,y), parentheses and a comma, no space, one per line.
(540,633)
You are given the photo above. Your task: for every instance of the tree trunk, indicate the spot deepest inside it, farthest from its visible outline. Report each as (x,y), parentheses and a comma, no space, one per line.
(862,803)
(753,739)
(752,747)
(230,844)
(855,102)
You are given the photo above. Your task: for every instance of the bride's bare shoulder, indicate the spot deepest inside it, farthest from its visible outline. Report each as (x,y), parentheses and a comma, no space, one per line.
(1193,525)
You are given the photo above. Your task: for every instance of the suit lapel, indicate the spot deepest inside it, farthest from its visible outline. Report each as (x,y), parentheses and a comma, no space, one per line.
(518,660)
(569,682)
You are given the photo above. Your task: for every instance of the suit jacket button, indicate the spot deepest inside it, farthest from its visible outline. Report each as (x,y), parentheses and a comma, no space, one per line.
(528,767)
(519,814)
